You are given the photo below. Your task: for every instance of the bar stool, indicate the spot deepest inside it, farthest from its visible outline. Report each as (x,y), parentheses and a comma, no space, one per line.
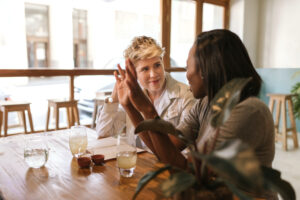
(283,135)
(71,108)
(10,106)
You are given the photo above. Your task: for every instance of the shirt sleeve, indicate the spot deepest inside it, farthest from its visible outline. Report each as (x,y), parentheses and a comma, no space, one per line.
(187,104)
(189,122)
(252,122)
(110,120)
(244,123)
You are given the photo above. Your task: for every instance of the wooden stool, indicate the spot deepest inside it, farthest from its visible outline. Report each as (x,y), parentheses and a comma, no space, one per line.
(72,111)
(281,107)
(10,106)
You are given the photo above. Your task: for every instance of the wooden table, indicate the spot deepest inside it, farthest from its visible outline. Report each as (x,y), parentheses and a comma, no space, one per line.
(61,178)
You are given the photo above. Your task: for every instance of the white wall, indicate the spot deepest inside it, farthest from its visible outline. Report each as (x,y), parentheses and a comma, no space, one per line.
(236,21)
(61,35)
(270,31)
(250,35)
(279,34)
(244,16)
(13,53)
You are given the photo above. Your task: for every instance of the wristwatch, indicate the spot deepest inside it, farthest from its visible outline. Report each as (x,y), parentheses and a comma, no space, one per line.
(108,100)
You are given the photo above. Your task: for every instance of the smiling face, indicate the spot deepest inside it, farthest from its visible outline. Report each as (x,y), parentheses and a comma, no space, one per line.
(194,76)
(151,74)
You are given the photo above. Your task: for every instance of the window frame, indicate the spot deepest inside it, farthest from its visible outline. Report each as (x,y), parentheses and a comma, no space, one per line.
(79,40)
(166,7)
(39,39)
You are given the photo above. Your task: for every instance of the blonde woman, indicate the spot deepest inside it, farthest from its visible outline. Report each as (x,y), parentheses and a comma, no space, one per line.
(171,99)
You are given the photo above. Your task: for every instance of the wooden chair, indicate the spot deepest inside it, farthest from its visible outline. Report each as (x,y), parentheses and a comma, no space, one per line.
(10,106)
(72,112)
(281,100)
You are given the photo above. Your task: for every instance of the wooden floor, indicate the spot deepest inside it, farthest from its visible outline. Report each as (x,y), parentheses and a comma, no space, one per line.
(288,162)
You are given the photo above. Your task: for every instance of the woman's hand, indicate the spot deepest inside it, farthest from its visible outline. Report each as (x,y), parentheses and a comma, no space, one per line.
(121,89)
(137,97)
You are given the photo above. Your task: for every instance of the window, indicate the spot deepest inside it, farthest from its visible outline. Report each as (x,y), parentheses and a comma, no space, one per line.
(182,31)
(80,38)
(213,17)
(37,33)
(188,19)
(123,21)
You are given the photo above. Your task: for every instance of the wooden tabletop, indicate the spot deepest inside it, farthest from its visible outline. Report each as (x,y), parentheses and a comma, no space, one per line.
(61,178)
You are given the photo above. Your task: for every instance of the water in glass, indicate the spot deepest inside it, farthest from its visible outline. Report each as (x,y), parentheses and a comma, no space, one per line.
(36,151)
(78,140)
(126,155)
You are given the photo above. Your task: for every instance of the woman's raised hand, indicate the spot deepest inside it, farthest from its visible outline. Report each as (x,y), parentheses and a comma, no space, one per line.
(130,92)
(137,97)
(121,88)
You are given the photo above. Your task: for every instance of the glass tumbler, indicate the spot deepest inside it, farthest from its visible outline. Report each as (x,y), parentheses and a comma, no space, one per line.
(36,151)
(126,155)
(78,140)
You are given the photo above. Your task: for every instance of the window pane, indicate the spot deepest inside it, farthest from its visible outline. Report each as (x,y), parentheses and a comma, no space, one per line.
(75,24)
(123,21)
(30,54)
(36,20)
(182,31)
(82,55)
(41,54)
(212,17)
(79,24)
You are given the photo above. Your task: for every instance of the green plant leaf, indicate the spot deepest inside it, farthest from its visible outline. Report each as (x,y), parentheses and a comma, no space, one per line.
(225,100)
(297,73)
(274,182)
(161,126)
(237,192)
(235,162)
(177,183)
(147,178)
(296,99)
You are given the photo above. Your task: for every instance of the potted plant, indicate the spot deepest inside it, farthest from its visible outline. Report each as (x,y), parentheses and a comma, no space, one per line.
(296,99)
(216,173)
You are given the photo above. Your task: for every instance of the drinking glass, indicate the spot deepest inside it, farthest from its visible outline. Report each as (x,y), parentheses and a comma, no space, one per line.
(36,151)
(126,155)
(78,140)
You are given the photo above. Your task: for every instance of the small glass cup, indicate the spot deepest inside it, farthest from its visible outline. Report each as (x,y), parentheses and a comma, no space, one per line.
(36,151)
(78,140)
(126,155)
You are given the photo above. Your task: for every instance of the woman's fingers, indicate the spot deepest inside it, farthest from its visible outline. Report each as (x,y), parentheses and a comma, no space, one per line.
(117,77)
(122,73)
(131,68)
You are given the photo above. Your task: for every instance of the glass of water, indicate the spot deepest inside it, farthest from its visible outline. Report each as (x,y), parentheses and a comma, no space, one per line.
(36,151)
(78,140)
(126,155)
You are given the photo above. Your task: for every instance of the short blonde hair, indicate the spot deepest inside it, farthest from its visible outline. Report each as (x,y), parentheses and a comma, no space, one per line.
(143,47)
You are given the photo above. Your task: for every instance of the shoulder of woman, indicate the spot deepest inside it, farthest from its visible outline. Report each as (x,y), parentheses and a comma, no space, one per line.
(253,103)
(252,109)
(177,88)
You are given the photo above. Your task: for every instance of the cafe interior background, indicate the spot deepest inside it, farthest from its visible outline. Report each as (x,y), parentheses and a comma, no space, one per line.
(90,34)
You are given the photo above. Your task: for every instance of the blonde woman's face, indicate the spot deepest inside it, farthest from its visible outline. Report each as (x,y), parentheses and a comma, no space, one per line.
(151,74)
